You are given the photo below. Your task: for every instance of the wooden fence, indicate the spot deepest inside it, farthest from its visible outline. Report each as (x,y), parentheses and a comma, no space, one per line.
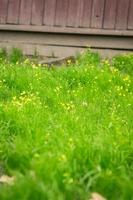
(79,16)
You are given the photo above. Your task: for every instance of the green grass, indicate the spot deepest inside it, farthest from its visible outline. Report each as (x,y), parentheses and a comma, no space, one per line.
(124,63)
(68,132)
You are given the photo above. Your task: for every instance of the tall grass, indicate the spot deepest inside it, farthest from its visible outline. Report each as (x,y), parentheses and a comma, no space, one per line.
(68,132)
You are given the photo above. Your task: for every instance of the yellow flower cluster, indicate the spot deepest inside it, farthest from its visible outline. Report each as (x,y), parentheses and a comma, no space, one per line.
(27,61)
(120,90)
(58,89)
(106,62)
(127,79)
(68,106)
(2,83)
(69,62)
(24,99)
(114,70)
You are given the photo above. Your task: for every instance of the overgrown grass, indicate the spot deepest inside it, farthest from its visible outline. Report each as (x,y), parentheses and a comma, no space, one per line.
(124,63)
(68,132)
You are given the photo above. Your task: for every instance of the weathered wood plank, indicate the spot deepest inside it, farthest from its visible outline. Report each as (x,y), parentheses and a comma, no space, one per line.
(13,11)
(97,13)
(122,14)
(58,51)
(44,51)
(47,39)
(86,18)
(49,12)
(130,19)
(73,13)
(3,11)
(61,12)
(80,13)
(110,14)
(68,30)
(37,12)
(25,12)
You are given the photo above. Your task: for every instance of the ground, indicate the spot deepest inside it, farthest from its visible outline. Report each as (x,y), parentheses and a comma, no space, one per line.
(66,133)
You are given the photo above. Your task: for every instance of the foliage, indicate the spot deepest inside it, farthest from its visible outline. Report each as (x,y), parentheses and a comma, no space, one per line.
(124,63)
(66,132)
(3,53)
(15,55)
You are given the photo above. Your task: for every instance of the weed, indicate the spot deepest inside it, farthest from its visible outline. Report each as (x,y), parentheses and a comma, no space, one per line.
(15,55)
(3,53)
(124,63)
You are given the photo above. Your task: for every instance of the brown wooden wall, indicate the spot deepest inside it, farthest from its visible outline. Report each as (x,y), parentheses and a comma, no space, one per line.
(85,14)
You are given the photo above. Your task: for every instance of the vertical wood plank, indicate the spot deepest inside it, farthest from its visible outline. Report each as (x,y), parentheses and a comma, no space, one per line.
(122,14)
(87,13)
(61,12)
(97,13)
(80,11)
(13,11)
(130,19)
(37,12)
(25,12)
(110,14)
(3,11)
(49,12)
(73,13)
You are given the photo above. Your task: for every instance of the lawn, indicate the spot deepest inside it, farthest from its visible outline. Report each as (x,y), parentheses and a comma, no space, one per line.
(67,132)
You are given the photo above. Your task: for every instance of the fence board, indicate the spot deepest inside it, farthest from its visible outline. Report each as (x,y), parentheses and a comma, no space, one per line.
(37,12)
(61,12)
(13,11)
(3,11)
(72,13)
(110,14)
(97,13)
(25,12)
(86,20)
(49,12)
(80,13)
(122,14)
(130,19)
